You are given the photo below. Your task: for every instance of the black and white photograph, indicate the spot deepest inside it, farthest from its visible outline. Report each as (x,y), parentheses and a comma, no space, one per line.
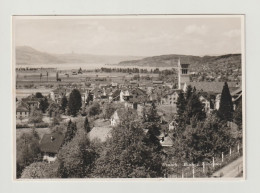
(128,96)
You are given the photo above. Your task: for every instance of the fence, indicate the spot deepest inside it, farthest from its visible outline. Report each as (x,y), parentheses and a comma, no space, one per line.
(204,169)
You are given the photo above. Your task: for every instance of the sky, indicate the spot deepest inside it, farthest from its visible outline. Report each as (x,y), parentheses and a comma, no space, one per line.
(131,36)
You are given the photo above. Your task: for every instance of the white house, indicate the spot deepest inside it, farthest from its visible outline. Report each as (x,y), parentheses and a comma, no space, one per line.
(217,101)
(206,103)
(123,95)
(170,98)
(22,112)
(115,118)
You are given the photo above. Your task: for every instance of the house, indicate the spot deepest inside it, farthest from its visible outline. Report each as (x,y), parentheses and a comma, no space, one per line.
(50,145)
(124,95)
(57,94)
(152,98)
(172,125)
(115,95)
(170,98)
(206,103)
(87,96)
(116,117)
(211,87)
(114,85)
(97,93)
(165,140)
(31,102)
(217,101)
(236,96)
(100,133)
(22,112)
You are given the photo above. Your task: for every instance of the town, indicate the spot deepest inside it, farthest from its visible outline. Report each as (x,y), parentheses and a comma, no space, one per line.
(127,122)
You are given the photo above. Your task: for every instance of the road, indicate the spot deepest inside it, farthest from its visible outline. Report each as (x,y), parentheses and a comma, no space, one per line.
(231,170)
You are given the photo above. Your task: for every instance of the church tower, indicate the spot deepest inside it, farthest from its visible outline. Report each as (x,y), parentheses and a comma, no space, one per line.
(183,74)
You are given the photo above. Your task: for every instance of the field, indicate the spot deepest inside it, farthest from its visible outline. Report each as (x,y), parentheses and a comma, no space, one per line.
(28,82)
(40,131)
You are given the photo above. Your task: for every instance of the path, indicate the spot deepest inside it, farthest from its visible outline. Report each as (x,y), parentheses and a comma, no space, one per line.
(231,170)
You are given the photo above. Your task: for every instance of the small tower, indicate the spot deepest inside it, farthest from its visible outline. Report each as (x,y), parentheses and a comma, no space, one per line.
(184,76)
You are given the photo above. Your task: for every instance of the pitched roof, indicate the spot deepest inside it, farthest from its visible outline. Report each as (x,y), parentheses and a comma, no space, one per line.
(167,142)
(237,91)
(51,143)
(172,92)
(101,133)
(59,91)
(116,93)
(22,108)
(30,98)
(213,87)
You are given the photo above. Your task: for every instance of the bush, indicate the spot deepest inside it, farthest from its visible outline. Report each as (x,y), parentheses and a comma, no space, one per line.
(41,125)
(19,126)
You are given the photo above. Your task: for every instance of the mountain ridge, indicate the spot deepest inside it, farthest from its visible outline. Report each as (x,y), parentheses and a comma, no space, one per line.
(29,56)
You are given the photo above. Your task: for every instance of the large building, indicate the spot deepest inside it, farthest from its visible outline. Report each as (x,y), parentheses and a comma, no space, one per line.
(183,74)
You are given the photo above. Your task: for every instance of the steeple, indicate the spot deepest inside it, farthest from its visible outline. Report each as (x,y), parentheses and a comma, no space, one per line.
(183,74)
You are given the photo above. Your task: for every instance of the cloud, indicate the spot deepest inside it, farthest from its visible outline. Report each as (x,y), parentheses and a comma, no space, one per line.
(233,33)
(196,29)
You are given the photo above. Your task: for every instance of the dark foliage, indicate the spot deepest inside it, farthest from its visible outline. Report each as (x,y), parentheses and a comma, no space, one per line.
(225,111)
(75,102)
(44,104)
(64,104)
(126,155)
(71,131)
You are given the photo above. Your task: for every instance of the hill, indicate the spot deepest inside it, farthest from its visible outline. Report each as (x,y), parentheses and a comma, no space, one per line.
(26,55)
(196,62)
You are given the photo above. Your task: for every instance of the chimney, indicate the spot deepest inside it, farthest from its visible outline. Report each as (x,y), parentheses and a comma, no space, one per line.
(52,138)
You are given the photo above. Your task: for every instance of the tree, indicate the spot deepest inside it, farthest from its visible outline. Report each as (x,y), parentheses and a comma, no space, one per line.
(152,124)
(27,151)
(56,119)
(64,103)
(74,103)
(76,158)
(53,109)
(38,95)
(40,170)
(57,76)
(188,92)
(108,110)
(94,109)
(44,104)
(35,117)
(71,131)
(126,155)
(208,139)
(86,125)
(194,108)
(181,105)
(225,111)
(181,108)
(238,115)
